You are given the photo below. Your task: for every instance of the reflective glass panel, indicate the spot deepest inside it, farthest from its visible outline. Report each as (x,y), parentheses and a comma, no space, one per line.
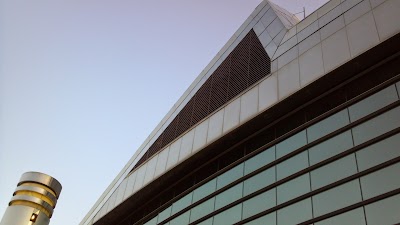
(204,190)
(379,152)
(373,103)
(337,198)
(230,176)
(377,126)
(207,222)
(232,194)
(330,147)
(152,221)
(164,214)
(294,188)
(259,181)
(328,125)
(292,165)
(381,181)
(259,203)
(229,216)
(353,217)
(290,144)
(384,212)
(259,160)
(181,219)
(182,203)
(201,210)
(333,171)
(295,213)
(269,219)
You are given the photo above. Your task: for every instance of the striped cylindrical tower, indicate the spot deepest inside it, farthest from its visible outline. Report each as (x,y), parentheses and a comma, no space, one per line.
(33,200)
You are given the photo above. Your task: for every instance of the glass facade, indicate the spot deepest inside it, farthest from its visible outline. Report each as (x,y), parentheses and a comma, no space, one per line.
(345,165)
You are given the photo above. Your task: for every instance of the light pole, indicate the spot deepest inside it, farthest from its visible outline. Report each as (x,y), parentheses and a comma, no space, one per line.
(33,200)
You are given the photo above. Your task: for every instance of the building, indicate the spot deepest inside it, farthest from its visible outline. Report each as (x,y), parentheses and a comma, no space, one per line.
(291,123)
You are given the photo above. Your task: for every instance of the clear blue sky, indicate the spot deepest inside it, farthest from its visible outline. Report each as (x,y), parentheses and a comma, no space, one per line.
(83,83)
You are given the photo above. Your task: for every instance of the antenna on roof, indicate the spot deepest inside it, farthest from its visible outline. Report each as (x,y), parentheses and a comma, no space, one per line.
(304,12)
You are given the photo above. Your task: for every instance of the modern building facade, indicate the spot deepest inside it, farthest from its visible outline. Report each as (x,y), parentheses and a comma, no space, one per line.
(291,123)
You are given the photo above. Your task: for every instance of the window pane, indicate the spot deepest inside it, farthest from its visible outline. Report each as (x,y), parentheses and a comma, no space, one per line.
(201,210)
(259,160)
(381,181)
(398,88)
(354,217)
(182,203)
(232,194)
(296,213)
(377,126)
(204,190)
(337,198)
(328,125)
(384,212)
(292,143)
(229,216)
(259,181)
(207,222)
(378,153)
(331,147)
(230,176)
(164,214)
(269,219)
(294,188)
(152,221)
(292,165)
(373,103)
(181,220)
(333,171)
(259,203)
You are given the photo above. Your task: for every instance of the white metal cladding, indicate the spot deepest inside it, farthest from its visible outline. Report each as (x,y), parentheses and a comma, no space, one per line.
(328,38)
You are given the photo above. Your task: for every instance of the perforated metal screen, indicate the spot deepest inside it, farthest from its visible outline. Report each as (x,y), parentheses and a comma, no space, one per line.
(243,67)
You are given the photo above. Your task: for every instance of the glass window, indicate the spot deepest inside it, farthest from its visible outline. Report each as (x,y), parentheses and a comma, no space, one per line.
(377,126)
(381,181)
(269,219)
(328,125)
(373,103)
(181,219)
(384,212)
(259,203)
(259,181)
(207,222)
(164,214)
(331,147)
(336,198)
(259,160)
(232,194)
(182,203)
(229,216)
(292,165)
(230,176)
(398,88)
(353,217)
(294,188)
(290,144)
(202,209)
(152,221)
(378,153)
(295,213)
(204,190)
(333,171)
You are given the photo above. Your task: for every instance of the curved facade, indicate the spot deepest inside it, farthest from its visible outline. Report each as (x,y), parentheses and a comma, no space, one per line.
(315,141)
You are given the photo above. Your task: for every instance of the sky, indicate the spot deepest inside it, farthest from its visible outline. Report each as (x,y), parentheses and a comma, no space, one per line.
(84,82)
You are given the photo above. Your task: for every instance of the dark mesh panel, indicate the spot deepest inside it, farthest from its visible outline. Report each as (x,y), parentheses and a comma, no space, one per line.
(243,67)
